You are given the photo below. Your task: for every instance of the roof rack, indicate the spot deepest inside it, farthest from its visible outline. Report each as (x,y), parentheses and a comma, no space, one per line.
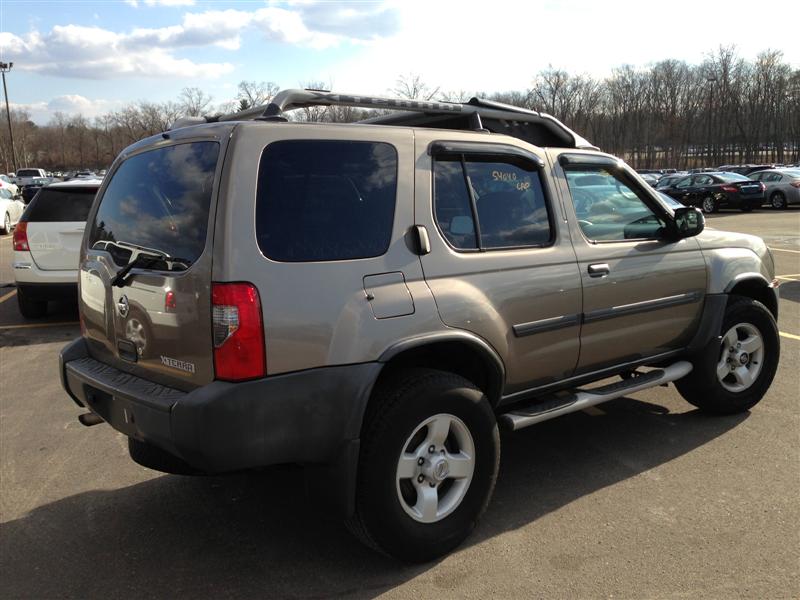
(476,115)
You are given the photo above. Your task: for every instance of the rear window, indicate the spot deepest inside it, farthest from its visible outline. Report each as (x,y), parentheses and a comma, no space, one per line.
(325,200)
(158,201)
(29,173)
(61,204)
(727,177)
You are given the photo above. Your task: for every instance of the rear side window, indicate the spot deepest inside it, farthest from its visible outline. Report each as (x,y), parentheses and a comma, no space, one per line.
(60,205)
(504,194)
(325,200)
(159,201)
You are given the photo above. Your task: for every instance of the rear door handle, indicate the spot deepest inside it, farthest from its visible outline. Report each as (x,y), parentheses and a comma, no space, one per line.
(599,270)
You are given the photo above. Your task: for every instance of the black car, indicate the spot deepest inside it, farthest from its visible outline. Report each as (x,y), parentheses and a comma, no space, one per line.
(712,191)
(29,191)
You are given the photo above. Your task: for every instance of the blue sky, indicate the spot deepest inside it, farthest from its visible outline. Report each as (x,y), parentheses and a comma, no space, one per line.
(93,56)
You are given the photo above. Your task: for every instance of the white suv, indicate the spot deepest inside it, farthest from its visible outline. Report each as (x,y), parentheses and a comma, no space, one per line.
(46,244)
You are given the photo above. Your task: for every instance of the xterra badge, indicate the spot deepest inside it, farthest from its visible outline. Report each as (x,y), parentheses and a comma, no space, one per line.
(177,364)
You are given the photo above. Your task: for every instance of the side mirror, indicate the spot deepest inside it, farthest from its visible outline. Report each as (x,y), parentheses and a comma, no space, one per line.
(688,222)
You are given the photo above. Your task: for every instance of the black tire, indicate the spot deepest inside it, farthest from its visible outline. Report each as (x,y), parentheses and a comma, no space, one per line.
(703,388)
(30,309)
(399,406)
(708,205)
(778,201)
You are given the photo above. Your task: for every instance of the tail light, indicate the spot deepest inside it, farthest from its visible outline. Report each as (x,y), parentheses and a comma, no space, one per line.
(21,236)
(729,188)
(763,185)
(169,302)
(795,184)
(238,332)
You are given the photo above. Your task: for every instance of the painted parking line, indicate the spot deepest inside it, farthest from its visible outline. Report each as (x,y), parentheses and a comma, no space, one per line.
(784,250)
(791,336)
(10,294)
(792,277)
(36,325)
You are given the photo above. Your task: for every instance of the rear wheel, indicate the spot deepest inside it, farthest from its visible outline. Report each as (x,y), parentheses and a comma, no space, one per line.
(429,459)
(734,372)
(709,205)
(30,309)
(778,201)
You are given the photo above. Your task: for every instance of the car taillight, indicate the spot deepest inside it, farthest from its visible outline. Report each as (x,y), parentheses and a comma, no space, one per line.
(238,332)
(796,184)
(729,188)
(169,301)
(763,185)
(21,236)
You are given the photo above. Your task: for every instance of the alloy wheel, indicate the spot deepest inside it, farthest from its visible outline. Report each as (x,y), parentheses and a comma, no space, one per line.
(741,357)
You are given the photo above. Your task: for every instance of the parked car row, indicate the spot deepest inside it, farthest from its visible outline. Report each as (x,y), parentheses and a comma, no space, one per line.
(751,187)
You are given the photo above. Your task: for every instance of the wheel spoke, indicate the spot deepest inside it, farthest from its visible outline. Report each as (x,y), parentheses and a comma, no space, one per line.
(731,338)
(438,430)
(406,466)
(723,369)
(427,502)
(461,465)
(752,344)
(743,376)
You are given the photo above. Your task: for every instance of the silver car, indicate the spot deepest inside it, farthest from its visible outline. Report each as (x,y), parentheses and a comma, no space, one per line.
(783,186)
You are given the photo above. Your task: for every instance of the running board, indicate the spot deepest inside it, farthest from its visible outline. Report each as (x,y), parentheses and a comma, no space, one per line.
(567,402)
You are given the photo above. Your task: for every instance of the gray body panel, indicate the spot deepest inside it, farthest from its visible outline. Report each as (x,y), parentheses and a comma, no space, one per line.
(651,300)
(490,293)
(318,313)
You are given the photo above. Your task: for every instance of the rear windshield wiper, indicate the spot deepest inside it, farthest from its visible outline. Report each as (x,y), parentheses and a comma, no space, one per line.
(139,259)
(147,258)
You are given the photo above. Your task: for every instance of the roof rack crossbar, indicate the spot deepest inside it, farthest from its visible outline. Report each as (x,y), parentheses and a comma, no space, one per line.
(477,110)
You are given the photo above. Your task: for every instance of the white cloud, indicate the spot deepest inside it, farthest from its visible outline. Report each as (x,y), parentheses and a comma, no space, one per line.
(135,3)
(95,53)
(70,104)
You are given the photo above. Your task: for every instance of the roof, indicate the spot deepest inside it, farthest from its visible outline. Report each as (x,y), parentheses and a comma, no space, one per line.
(480,115)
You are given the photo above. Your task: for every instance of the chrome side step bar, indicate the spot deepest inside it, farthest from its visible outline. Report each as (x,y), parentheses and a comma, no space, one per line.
(555,406)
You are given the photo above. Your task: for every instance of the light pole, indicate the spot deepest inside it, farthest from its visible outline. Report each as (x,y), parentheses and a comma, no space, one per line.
(5,68)
(710,79)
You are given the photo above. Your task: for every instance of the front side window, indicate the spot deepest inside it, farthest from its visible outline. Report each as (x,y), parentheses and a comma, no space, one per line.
(158,201)
(325,200)
(504,195)
(611,212)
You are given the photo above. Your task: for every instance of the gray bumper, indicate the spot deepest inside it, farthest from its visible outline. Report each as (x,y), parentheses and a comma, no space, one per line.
(305,417)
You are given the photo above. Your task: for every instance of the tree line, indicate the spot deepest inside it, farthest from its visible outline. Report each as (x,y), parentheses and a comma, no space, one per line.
(723,110)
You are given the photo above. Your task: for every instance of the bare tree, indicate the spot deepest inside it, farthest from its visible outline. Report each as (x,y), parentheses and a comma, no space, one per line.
(194,102)
(411,86)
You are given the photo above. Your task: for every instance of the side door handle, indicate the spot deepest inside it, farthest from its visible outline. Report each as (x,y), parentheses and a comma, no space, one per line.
(599,270)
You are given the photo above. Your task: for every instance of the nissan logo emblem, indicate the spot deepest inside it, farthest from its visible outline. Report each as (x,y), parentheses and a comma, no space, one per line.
(122,306)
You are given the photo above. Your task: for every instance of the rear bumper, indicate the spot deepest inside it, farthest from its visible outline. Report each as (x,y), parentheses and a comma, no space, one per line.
(27,271)
(307,417)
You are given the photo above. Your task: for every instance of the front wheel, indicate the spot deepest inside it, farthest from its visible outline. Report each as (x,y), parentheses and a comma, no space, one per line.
(734,371)
(429,459)
(709,205)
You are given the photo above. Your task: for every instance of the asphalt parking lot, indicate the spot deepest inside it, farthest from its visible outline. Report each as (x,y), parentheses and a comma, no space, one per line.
(641,497)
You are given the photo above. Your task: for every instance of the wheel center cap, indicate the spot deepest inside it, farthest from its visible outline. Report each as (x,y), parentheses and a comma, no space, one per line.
(439,470)
(744,358)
